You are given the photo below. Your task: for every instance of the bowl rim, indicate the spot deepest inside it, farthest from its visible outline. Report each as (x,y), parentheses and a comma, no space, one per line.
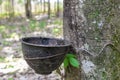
(40,45)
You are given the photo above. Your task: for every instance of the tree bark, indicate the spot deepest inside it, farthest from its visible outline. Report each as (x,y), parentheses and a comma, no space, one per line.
(12,8)
(90,26)
(55,7)
(44,6)
(49,9)
(41,6)
(28,9)
(58,9)
(74,23)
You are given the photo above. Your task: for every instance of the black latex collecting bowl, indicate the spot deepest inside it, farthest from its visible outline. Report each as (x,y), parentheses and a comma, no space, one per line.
(44,54)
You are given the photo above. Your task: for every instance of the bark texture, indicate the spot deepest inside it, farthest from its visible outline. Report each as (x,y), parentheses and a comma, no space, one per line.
(28,9)
(74,24)
(58,10)
(49,9)
(93,27)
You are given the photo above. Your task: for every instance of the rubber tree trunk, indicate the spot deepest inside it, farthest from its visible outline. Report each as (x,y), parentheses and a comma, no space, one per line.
(44,6)
(28,9)
(55,10)
(1,6)
(73,22)
(41,6)
(12,8)
(58,9)
(73,31)
(93,28)
(49,9)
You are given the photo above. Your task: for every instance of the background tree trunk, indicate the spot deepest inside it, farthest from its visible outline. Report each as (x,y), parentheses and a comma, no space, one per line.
(58,10)
(44,6)
(91,26)
(28,8)
(41,6)
(55,10)
(49,9)
(12,8)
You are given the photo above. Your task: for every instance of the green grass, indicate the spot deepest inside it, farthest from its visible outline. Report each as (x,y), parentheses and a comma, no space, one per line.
(33,25)
(57,31)
(42,24)
(4,15)
(6,43)
(5,31)
(2,28)
(2,59)
(10,79)
(58,22)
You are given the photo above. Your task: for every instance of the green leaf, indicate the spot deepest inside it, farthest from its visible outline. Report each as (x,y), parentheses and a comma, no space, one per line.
(66,62)
(70,55)
(74,62)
